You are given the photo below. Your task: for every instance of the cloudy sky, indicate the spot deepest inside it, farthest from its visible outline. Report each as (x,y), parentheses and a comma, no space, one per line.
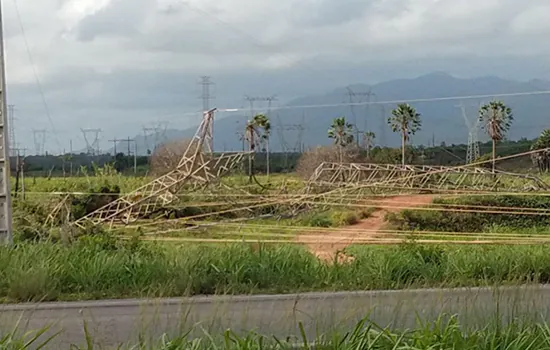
(122,64)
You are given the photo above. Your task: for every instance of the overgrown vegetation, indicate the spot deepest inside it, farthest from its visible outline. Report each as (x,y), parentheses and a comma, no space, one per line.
(101,267)
(482,220)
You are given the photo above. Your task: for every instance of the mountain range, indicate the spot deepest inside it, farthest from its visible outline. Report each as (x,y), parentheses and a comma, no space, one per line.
(299,123)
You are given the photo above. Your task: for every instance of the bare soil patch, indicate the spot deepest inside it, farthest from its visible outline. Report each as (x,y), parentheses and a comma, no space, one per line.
(332,243)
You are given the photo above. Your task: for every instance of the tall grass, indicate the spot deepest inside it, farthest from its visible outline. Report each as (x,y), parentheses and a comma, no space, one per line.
(101,268)
(365,336)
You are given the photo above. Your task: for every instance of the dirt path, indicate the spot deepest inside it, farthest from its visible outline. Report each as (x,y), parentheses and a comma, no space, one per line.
(332,242)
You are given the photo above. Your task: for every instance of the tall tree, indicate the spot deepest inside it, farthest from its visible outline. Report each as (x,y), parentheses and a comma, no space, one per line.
(406,121)
(256,132)
(342,133)
(496,119)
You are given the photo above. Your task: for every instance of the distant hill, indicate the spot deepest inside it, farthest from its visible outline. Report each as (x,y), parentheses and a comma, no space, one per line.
(442,120)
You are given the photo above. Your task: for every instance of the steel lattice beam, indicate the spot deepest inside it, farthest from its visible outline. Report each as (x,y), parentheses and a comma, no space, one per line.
(422,177)
(197,167)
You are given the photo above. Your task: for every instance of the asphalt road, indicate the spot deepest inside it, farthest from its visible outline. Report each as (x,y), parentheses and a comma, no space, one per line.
(115,322)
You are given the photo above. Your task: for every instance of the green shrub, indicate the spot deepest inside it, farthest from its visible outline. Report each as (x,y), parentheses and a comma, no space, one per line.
(344,218)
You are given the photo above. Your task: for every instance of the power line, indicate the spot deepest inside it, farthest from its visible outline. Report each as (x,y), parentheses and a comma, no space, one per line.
(35,73)
(388,102)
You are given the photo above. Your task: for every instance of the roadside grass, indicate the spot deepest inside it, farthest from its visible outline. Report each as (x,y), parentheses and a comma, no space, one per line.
(102,267)
(443,333)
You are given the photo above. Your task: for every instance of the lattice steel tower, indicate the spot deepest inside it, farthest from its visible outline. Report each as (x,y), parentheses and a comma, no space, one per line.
(473,152)
(6,234)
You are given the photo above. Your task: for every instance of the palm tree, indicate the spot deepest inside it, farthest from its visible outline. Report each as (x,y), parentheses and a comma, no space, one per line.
(256,132)
(342,134)
(496,119)
(541,159)
(405,120)
(368,141)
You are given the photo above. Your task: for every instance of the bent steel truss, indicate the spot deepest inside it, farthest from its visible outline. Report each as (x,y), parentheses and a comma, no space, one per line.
(422,177)
(197,167)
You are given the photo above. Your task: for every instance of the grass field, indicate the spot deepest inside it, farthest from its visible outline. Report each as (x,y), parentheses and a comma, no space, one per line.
(99,265)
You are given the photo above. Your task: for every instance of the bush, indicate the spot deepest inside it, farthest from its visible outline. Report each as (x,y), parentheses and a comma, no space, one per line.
(344,218)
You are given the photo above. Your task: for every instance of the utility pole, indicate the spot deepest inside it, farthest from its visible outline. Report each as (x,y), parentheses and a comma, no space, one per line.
(6,233)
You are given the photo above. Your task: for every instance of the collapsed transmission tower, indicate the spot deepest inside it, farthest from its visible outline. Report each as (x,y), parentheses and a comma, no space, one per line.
(198,167)
(473,152)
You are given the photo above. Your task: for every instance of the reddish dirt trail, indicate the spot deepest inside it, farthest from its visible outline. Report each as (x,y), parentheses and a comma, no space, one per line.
(332,242)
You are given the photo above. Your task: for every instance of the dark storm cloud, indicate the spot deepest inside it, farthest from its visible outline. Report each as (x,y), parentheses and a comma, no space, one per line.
(133,61)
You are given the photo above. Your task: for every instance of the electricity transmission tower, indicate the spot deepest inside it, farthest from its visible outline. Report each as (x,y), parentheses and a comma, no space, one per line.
(355,98)
(473,152)
(206,95)
(282,130)
(39,136)
(92,147)
(383,126)
(157,133)
(129,154)
(6,233)
(251,101)
(269,100)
